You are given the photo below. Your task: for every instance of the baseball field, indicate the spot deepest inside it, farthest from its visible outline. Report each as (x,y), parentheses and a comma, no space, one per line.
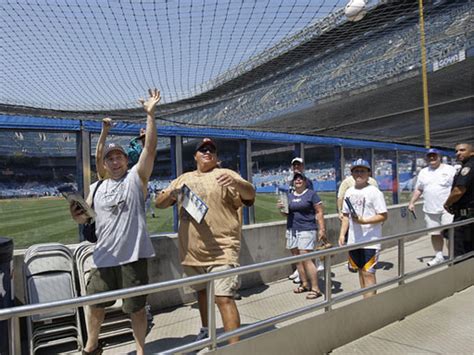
(43,220)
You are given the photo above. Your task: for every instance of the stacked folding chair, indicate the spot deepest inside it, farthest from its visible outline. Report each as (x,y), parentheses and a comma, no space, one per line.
(115,322)
(49,276)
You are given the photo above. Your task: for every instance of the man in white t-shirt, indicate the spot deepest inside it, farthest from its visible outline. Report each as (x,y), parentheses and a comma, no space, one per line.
(123,244)
(364,211)
(434,183)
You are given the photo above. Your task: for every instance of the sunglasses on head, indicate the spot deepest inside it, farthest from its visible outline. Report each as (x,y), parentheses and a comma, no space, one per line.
(207,149)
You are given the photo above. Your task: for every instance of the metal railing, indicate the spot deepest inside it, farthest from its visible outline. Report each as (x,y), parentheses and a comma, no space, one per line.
(14,313)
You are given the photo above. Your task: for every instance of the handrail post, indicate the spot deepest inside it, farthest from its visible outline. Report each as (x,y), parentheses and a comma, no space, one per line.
(401,261)
(451,245)
(11,334)
(327,282)
(211,314)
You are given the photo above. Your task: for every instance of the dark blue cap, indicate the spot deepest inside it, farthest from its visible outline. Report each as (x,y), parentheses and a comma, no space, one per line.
(433,151)
(360,163)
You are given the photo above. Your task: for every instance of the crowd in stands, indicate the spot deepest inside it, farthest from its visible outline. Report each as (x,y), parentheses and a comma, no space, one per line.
(32,189)
(37,189)
(268,179)
(324,177)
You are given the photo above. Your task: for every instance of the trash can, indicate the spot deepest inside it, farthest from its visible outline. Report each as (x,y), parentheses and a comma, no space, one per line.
(6,299)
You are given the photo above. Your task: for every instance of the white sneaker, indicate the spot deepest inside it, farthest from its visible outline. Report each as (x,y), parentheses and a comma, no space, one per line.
(203,333)
(297,280)
(294,275)
(204,350)
(320,267)
(435,261)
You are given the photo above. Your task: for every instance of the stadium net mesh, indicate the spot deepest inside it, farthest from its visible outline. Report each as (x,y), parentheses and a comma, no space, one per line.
(218,63)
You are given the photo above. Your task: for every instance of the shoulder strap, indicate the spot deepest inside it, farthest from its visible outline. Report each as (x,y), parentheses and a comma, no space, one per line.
(95,190)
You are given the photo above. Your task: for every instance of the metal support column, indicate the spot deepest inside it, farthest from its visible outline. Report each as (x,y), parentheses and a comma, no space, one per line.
(211,314)
(299,150)
(339,165)
(372,160)
(327,282)
(176,145)
(395,193)
(83,161)
(245,163)
(401,261)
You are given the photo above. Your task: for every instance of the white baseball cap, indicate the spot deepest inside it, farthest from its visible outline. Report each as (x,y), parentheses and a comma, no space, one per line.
(297,160)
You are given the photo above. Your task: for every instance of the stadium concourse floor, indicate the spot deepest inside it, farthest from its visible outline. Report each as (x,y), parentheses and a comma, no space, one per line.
(444,327)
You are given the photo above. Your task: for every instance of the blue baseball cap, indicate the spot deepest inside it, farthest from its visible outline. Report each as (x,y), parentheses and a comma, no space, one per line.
(299,175)
(433,151)
(360,163)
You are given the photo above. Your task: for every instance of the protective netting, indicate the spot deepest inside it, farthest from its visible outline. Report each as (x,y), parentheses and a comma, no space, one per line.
(96,54)
(293,66)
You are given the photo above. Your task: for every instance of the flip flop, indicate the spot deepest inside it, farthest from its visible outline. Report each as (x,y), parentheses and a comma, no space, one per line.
(312,295)
(301,289)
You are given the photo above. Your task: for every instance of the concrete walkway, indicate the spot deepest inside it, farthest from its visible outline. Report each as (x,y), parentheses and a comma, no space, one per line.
(446,327)
(425,333)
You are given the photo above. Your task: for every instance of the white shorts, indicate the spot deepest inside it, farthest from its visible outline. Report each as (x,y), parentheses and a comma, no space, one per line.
(302,240)
(437,220)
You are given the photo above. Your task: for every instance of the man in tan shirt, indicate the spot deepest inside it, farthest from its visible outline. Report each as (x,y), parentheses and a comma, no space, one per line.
(214,243)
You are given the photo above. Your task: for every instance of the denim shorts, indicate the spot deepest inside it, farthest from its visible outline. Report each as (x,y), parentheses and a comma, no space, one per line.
(302,240)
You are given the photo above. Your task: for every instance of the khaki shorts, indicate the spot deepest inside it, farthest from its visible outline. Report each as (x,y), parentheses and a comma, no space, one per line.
(227,286)
(118,277)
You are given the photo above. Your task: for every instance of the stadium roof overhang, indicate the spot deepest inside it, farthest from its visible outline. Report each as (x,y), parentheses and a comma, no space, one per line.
(394,112)
(391,113)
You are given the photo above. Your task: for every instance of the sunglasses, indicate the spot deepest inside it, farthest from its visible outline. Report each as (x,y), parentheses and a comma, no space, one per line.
(360,171)
(207,149)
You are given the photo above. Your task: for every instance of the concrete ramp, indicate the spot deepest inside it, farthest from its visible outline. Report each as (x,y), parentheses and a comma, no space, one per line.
(447,327)
(350,322)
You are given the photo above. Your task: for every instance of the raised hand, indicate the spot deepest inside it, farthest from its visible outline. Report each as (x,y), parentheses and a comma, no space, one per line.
(106,124)
(225,180)
(150,104)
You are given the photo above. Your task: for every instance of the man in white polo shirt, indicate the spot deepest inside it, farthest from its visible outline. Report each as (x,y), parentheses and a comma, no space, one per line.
(434,183)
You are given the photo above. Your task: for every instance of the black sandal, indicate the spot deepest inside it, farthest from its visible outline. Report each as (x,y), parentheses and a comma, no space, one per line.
(96,351)
(313,294)
(301,289)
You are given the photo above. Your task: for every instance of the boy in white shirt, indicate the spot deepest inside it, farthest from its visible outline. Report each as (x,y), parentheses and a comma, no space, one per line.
(364,211)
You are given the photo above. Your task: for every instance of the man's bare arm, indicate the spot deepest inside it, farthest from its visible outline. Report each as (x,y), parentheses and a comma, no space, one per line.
(416,195)
(147,157)
(456,193)
(99,150)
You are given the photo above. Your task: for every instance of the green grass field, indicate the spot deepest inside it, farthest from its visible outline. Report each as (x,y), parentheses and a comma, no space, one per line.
(43,220)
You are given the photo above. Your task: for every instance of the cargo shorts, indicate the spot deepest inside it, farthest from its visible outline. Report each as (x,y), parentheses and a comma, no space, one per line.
(227,286)
(117,277)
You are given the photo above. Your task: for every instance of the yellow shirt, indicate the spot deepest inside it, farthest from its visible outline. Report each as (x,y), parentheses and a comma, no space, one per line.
(216,240)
